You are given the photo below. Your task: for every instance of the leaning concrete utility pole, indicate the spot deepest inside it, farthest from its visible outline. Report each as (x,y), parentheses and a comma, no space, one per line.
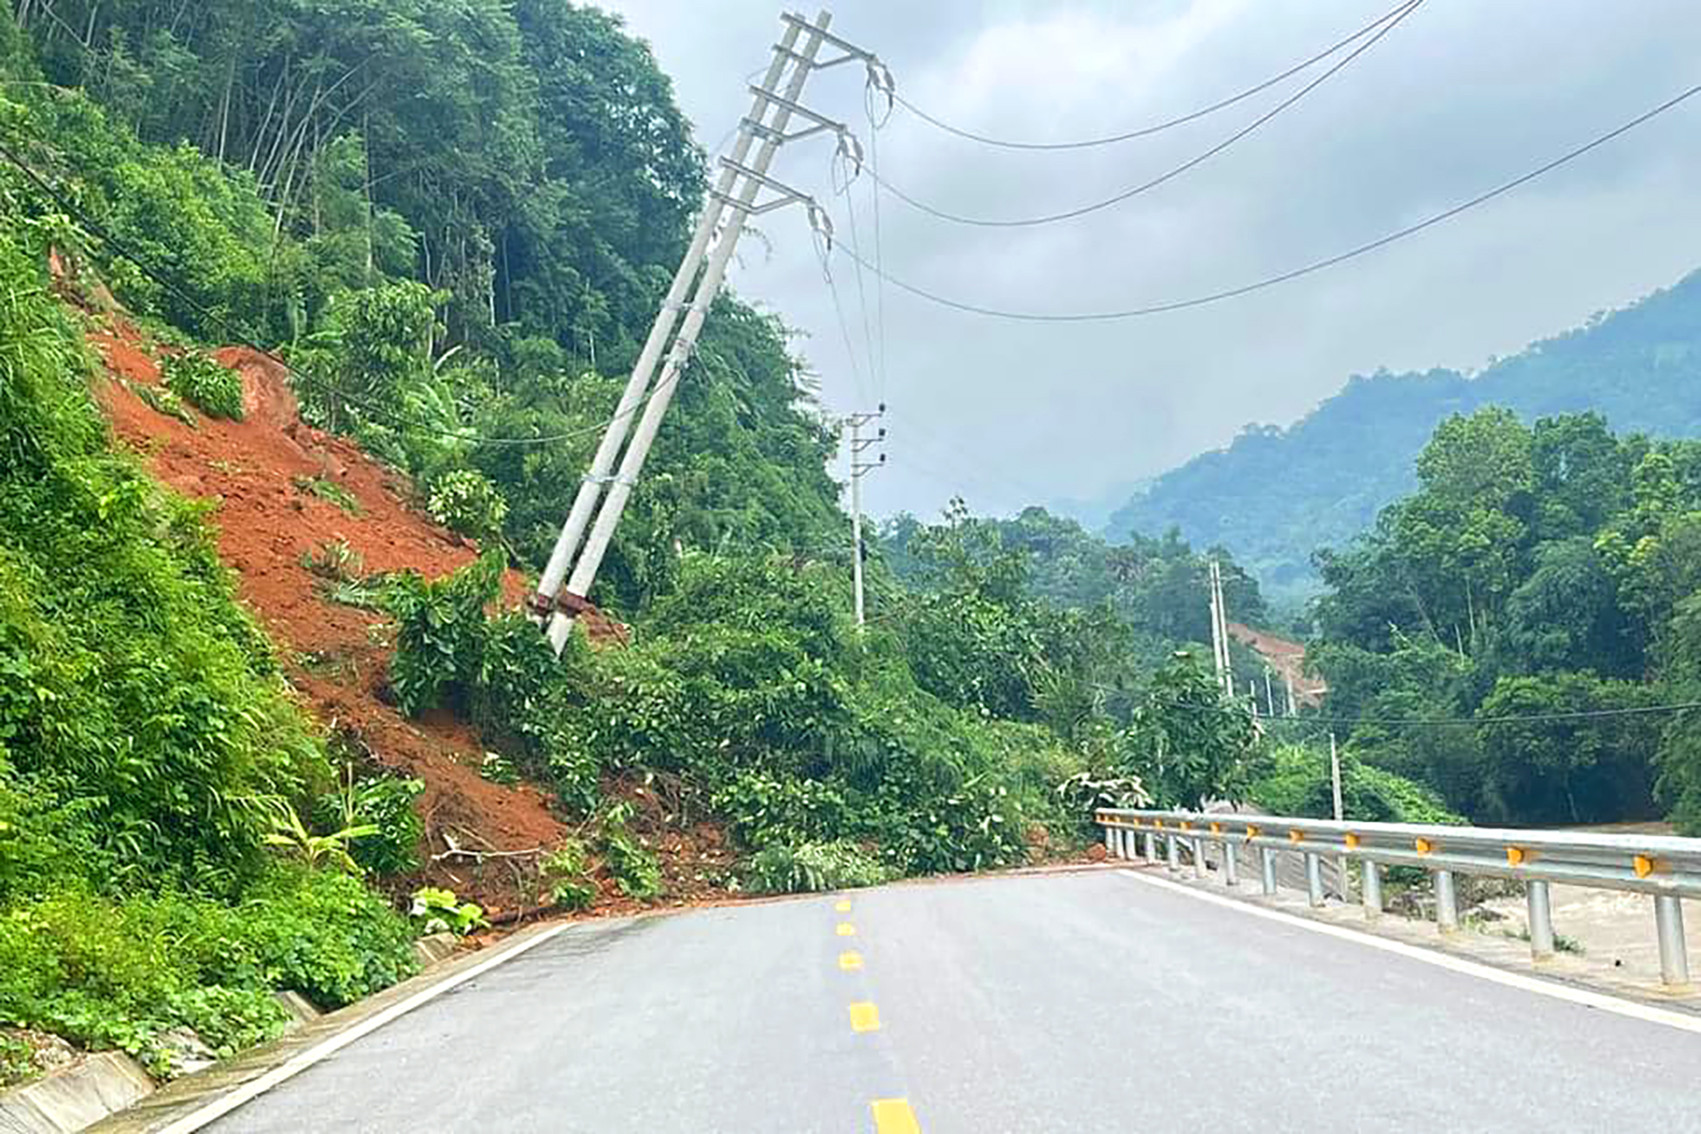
(858,469)
(729,205)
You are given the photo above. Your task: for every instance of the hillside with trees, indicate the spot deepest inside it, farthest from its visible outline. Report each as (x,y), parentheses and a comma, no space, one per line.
(1330,473)
(1520,633)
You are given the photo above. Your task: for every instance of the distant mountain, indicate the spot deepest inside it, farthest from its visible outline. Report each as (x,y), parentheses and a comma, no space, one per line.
(1094,512)
(1274,495)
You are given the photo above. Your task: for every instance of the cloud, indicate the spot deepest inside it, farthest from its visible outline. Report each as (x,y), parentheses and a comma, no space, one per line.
(1458,98)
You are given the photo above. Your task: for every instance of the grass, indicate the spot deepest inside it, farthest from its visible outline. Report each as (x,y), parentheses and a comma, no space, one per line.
(161,400)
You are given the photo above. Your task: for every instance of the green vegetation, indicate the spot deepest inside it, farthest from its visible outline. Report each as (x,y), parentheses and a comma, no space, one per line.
(145,737)
(435,910)
(213,389)
(1354,454)
(1538,589)
(329,490)
(813,867)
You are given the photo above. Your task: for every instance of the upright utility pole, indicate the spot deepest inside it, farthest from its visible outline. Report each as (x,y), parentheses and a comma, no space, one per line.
(1335,776)
(1219,630)
(1287,676)
(725,211)
(858,469)
(1269,694)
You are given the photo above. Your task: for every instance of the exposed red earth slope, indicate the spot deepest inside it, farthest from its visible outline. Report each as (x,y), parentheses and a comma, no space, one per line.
(335,655)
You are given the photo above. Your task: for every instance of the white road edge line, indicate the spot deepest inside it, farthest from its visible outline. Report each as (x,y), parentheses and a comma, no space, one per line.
(1606,1002)
(254,1088)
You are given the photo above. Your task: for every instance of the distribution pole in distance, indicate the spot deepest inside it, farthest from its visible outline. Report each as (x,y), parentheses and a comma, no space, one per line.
(858,469)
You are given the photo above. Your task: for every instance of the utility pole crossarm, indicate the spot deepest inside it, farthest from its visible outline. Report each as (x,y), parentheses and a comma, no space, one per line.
(605,490)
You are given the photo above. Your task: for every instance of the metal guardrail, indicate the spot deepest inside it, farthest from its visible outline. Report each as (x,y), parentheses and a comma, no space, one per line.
(1664,866)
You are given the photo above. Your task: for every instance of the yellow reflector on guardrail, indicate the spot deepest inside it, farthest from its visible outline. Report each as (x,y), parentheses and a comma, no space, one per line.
(1424,846)
(1516,855)
(1644,865)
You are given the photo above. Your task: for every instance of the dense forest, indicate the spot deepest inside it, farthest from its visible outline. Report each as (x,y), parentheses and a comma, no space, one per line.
(1339,465)
(1514,632)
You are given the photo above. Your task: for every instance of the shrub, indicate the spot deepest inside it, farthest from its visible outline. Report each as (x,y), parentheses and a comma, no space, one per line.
(632,864)
(465,501)
(325,936)
(214,389)
(567,874)
(383,805)
(811,867)
(435,910)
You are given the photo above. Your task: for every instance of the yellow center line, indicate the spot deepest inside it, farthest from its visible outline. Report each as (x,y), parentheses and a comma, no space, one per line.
(842,905)
(864,1017)
(894,1116)
(846,929)
(850,961)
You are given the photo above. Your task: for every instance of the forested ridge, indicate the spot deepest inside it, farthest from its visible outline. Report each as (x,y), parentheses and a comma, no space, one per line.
(1335,468)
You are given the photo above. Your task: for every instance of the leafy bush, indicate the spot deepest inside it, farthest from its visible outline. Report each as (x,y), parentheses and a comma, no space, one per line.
(17,1061)
(229,1019)
(327,937)
(811,867)
(465,501)
(214,389)
(633,865)
(567,875)
(435,910)
(161,400)
(383,806)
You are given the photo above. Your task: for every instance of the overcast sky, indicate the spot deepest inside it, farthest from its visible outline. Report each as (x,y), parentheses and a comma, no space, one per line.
(1461,96)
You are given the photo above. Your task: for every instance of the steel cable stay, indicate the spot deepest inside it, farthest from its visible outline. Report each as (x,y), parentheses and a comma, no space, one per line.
(1311,268)
(1158,127)
(1168,175)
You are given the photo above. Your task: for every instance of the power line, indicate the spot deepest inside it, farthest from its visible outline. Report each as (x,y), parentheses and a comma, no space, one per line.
(1167,176)
(1308,269)
(380,413)
(1437,722)
(879,255)
(1156,128)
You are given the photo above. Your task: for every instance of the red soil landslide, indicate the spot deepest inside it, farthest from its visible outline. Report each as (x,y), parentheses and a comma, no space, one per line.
(334,655)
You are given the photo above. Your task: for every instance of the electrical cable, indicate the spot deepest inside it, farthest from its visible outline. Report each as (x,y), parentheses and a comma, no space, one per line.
(1308,269)
(861,287)
(380,413)
(1147,131)
(1170,174)
(876,124)
(1442,722)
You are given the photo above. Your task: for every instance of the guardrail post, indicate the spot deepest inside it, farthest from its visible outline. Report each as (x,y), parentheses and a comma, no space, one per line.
(1267,858)
(1109,839)
(1231,869)
(1199,858)
(1541,919)
(1122,843)
(1446,902)
(1674,957)
(1151,847)
(1173,846)
(1372,887)
(1314,878)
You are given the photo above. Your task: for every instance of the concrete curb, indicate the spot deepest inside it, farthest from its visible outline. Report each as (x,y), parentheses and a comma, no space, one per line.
(75,1097)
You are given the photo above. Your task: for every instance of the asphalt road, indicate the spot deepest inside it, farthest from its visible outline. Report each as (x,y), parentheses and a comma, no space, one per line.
(1046,1003)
